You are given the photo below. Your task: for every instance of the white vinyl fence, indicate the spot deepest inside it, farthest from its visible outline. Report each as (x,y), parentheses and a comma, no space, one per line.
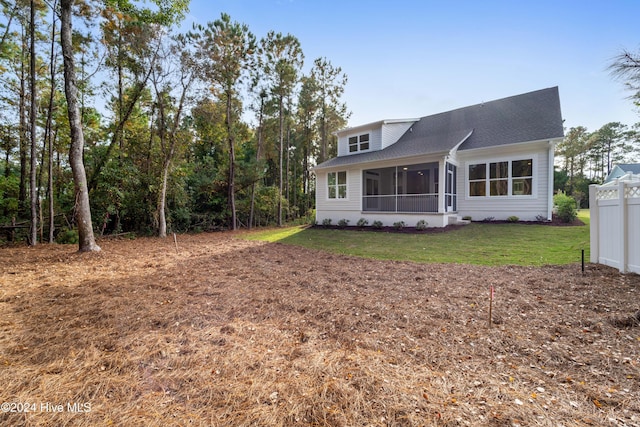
(615,223)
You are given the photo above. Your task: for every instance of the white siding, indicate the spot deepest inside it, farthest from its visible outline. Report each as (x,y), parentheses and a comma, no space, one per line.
(327,208)
(526,208)
(374,141)
(381,135)
(391,133)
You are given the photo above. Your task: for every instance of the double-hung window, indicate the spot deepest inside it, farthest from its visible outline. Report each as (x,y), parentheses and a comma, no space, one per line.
(522,177)
(504,178)
(337,185)
(359,143)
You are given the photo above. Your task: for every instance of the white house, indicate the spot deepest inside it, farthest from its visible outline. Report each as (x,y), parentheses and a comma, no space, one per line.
(491,160)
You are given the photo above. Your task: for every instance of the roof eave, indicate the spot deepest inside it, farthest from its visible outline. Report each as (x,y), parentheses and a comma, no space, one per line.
(376,124)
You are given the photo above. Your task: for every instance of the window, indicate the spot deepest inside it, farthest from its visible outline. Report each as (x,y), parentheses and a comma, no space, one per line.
(337,185)
(353,144)
(499,178)
(522,172)
(360,143)
(477,179)
(505,178)
(364,142)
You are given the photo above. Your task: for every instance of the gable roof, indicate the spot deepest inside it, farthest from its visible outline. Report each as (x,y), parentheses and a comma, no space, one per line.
(532,116)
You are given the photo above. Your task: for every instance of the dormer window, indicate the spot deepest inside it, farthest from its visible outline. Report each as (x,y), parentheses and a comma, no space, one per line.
(359,143)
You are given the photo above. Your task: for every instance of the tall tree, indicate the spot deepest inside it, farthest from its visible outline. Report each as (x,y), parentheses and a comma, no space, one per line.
(86,238)
(307,113)
(259,143)
(573,148)
(330,83)
(168,127)
(610,145)
(227,49)
(626,66)
(132,37)
(33,112)
(283,59)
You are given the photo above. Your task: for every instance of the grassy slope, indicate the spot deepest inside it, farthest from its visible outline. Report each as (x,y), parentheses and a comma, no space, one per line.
(484,244)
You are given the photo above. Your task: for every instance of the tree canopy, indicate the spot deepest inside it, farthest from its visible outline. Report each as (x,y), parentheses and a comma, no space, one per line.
(212,129)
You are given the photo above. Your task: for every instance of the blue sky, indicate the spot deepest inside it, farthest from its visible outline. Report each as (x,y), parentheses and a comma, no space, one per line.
(411,58)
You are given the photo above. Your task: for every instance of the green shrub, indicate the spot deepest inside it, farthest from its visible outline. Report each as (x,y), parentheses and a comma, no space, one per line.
(362,222)
(399,225)
(566,207)
(513,218)
(422,225)
(343,222)
(326,222)
(67,236)
(377,225)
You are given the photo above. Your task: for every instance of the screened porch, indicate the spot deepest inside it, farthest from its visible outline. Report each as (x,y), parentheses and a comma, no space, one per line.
(410,188)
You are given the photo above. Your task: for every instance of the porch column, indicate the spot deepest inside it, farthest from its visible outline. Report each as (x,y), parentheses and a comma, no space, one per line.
(442,180)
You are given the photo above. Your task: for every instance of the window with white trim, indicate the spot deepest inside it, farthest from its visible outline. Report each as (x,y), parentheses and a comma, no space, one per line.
(504,178)
(337,185)
(359,143)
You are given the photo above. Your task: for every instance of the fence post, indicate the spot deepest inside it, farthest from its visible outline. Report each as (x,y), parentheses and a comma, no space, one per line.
(622,205)
(594,228)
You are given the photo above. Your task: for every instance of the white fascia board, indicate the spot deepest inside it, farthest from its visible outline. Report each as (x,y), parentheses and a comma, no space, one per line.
(373,125)
(455,149)
(514,144)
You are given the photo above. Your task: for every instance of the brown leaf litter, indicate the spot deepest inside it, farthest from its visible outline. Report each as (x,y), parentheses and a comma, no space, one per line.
(227,332)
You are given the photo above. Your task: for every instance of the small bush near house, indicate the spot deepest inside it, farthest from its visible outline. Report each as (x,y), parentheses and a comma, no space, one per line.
(489,219)
(422,225)
(541,218)
(343,222)
(326,222)
(377,225)
(566,207)
(513,218)
(362,222)
(399,225)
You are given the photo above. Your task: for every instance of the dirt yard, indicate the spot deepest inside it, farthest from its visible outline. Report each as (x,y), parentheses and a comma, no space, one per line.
(227,332)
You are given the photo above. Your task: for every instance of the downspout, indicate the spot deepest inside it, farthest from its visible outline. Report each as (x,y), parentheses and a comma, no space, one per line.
(552,146)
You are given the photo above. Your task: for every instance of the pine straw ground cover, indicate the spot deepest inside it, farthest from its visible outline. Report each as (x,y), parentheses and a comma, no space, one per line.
(228,332)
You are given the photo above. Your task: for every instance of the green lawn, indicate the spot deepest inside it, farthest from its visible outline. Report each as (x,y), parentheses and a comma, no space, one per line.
(485,244)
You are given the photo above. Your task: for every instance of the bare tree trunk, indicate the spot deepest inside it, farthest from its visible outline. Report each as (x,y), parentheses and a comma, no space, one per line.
(232,165)
(281,154)
(51,207)
(22,112)
(253,186)
(83,210)
(33,110)
(287,182)
(49,138)
(162,219)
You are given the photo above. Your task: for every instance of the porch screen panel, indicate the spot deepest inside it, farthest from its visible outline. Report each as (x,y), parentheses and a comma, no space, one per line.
(401,189)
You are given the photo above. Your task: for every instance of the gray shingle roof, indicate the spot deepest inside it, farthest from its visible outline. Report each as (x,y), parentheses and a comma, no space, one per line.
(634,168)
(532,116)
